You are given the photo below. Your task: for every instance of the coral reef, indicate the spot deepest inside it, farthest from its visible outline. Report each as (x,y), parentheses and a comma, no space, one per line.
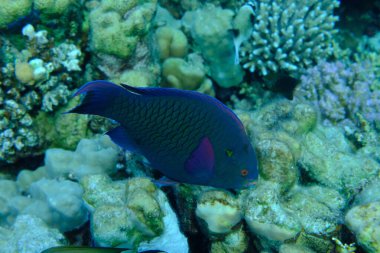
(328,158)
(66,210)
(112,34)
(53,7)
(295,152)
(142,216)
(289,35)
(318,152)
(341,92)
(209,28)
(172,42)
(29,234)
(219,210)
(188,74)
(37,77)
(363,220)
(12,10)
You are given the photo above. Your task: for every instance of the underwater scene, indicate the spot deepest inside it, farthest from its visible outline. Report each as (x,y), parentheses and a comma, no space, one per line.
(222,126)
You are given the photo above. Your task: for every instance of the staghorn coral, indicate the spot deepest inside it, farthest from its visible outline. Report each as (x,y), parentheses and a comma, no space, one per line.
(289,35)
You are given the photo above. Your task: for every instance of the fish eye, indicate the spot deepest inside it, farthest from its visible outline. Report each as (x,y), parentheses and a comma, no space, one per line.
(244,172)
(229,152)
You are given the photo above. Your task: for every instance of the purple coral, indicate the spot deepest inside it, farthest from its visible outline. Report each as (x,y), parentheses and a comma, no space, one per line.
(341,91)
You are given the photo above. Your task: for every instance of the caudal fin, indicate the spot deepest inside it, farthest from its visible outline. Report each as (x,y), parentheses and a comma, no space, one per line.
(99,96)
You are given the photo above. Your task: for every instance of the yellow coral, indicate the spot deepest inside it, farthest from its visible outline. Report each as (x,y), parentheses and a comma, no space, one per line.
(50,7)
(24,72)
(171,42)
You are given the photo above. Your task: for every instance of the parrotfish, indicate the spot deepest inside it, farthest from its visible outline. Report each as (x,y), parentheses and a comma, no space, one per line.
(188,136)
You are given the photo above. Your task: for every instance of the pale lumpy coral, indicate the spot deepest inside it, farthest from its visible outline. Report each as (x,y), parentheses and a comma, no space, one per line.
(289,35)
(219,210)
(364,221)
(117,27)
(29,234)
(209,27)
(141,215)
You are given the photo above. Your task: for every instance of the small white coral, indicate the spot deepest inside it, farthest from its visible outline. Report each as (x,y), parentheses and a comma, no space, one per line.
(219,210)
(39,36)
(67,55)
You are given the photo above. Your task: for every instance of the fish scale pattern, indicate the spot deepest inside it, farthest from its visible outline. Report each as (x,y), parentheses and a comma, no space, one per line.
(155,124)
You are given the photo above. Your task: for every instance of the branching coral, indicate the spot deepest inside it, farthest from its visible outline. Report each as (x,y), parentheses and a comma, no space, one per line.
(341,92)
(289,35)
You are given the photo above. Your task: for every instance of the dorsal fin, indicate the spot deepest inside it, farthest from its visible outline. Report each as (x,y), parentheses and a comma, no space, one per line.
(132,89)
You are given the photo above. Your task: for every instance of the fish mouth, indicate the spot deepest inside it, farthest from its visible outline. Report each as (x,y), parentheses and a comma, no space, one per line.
(250,183)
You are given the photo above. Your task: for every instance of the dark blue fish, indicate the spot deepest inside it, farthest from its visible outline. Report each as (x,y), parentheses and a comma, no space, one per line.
(188,136)
(82,249)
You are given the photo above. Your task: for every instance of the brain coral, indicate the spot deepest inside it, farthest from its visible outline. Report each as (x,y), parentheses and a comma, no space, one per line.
(288,35)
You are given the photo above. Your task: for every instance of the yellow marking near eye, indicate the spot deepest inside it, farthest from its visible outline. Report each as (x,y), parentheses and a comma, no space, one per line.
(229,152)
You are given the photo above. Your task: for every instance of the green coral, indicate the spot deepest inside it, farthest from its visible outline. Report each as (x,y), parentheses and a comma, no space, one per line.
(328,158)
(209,27)
(171,42)
(134,205)
(11,10)
(364,221)
(235,242)
(112,34)
(53,7)
(277,129)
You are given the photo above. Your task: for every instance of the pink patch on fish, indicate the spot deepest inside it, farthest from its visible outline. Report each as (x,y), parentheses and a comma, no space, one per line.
(202,160)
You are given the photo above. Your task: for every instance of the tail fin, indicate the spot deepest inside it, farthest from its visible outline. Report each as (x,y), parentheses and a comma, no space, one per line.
(99,95)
